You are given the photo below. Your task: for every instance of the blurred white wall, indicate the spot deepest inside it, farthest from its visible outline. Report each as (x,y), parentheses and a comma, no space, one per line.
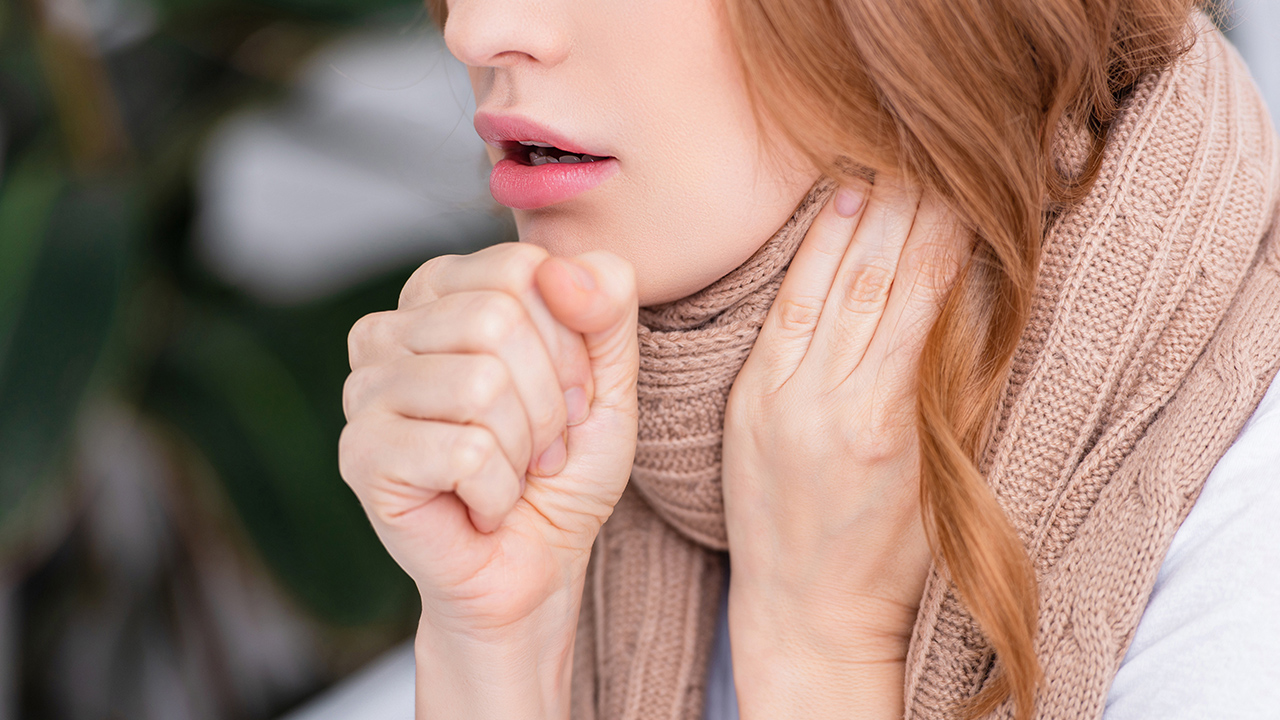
(372,162)
(1255,29)
(383,690)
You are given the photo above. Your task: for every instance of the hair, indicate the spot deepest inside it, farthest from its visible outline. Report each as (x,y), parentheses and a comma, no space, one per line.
(966,98)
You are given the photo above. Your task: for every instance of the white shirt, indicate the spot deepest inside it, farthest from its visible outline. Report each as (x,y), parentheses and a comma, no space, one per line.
(1208,643)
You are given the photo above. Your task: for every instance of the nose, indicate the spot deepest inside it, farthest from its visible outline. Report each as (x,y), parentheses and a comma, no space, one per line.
(504,33)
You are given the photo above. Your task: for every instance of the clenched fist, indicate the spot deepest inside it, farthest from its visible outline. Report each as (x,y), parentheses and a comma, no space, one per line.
(491,429)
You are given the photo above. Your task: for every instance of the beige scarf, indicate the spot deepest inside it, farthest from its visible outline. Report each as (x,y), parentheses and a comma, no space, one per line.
(1155,331)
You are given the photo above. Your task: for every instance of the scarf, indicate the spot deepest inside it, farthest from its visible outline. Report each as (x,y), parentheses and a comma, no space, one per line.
(1155,331)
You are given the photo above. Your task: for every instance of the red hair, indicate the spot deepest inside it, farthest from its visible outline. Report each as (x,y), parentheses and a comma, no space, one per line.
(965,97)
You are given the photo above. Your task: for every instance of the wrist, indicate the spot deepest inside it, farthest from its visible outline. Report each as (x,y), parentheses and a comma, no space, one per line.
(810,659)
(519,670)
(521,680)
(837,627)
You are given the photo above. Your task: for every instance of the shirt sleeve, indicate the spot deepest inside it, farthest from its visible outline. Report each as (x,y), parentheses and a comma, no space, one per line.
(1208,643)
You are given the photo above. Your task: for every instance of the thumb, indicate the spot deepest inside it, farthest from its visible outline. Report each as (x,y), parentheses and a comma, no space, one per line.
(595,294)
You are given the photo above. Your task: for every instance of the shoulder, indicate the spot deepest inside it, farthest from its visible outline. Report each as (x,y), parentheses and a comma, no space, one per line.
(1206,643)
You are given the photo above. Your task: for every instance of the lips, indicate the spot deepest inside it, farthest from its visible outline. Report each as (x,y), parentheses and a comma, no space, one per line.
(539,168)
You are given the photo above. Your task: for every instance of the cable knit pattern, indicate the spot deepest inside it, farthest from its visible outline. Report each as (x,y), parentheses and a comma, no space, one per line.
(690,354)
(654,570)
(1154,333)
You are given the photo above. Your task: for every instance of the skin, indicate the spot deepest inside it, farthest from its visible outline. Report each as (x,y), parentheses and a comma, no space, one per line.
(696,193)
(492,416)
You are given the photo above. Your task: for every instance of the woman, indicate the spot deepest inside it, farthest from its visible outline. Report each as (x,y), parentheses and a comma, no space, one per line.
(945,421)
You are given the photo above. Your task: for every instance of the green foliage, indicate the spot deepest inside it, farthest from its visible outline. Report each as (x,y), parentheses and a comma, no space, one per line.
(246,409)
(62,270)
(25,204)
(100,294)
(331,10)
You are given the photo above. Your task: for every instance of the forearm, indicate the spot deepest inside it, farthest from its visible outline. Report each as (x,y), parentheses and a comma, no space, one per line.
(780,687)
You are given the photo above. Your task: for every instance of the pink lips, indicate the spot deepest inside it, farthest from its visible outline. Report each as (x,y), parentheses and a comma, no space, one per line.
(521,186)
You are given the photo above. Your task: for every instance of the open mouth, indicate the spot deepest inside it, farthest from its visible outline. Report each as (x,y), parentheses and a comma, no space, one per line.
(538,153)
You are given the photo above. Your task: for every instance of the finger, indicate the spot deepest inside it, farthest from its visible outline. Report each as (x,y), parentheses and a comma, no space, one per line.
(396,465)
(595,294)
(504,266)
(863,282)
(510,268)
(788,327)
(374,338)
(466,389)
(935,251)
(494,323)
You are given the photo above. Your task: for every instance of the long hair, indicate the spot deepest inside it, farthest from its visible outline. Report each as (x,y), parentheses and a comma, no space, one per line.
(966,97)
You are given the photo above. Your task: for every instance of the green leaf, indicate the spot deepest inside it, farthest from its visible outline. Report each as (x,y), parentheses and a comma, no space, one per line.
(246,411)
(63,320)
(25,202)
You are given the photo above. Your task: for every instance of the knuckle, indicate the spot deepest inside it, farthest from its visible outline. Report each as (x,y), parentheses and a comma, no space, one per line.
(797,316)
(351,449)
(419,287)
(866,288)
(517,265)
(499,316)
(471,451)
(367,335)
(353,391)
(486,381)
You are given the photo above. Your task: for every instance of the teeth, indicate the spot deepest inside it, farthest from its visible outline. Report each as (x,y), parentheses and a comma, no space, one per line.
(531,143)
(542,156)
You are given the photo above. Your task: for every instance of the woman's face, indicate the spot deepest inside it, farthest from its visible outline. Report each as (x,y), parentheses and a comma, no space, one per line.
(673,174)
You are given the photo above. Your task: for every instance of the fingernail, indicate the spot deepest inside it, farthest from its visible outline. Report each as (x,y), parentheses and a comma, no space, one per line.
(848,202)
(581,277)
(575,401)
(552,459)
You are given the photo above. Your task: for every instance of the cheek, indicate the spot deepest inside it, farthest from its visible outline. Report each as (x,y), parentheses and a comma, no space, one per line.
(695,195)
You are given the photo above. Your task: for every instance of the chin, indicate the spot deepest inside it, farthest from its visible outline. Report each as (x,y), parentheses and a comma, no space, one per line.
(563,235)
(559,232)
(672,258)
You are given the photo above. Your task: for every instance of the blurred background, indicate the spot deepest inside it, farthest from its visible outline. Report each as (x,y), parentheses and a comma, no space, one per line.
(197,200)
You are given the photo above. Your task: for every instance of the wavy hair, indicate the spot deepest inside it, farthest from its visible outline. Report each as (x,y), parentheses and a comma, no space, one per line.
(966,98)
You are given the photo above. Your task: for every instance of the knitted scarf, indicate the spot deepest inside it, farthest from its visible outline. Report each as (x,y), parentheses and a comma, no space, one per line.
(1155,331)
